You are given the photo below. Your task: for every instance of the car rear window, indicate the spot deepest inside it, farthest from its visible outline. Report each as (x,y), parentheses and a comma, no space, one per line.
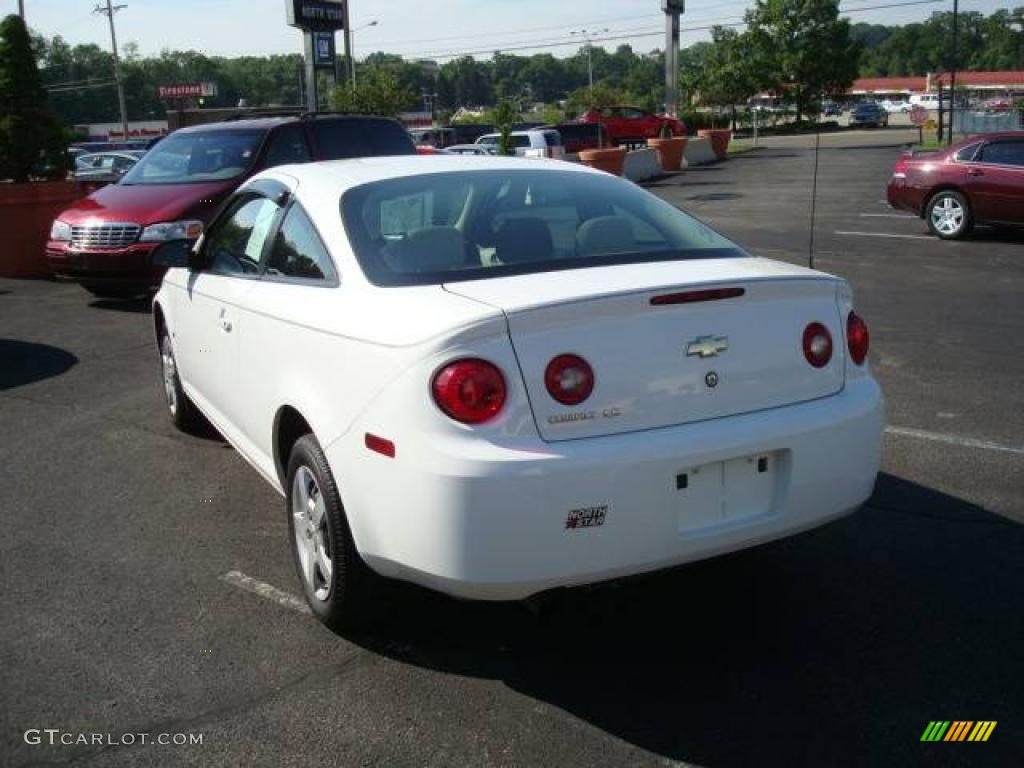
(358,137)
(197,156)
(468,225)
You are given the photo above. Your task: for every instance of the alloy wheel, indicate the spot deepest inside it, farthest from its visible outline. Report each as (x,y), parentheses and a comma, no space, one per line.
(312,539)
(948,216)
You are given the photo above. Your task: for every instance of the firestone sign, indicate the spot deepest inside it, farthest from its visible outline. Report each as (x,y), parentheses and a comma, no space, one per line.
(316,15)
(186,90)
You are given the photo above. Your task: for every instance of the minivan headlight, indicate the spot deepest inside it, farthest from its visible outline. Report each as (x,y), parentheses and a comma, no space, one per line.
(189,229)
(60,230)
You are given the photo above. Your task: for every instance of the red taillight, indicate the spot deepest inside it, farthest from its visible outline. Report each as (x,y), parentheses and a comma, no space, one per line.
(471,391)
(569,379)
(901,166)
(857,338)
(817,345)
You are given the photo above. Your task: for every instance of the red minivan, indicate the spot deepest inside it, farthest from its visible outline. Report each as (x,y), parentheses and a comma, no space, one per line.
(104,241)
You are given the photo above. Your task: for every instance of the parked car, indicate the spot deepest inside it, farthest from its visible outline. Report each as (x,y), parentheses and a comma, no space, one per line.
(495,378)
(483,150)
(831,108)
(105,166)
(532,143)
(868,114)
(432,137)
(978,181)
(104,241)
(631,124)
(896,106)
(580,136)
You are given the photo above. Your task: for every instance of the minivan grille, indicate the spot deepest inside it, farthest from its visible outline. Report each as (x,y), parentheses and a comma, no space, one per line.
(104,235)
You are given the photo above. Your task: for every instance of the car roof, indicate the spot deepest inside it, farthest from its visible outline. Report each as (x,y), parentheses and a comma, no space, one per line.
(344,174)
(270,121)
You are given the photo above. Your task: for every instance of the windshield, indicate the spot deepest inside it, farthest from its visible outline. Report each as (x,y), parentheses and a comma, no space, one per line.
(467,225)
(184,158)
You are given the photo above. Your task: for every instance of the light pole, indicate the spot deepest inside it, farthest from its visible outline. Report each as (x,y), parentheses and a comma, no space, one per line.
(352,46)
(109,12)
(588,36)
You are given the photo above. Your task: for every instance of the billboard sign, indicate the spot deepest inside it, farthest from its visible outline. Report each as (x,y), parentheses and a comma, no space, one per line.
(187,90)
(316,15)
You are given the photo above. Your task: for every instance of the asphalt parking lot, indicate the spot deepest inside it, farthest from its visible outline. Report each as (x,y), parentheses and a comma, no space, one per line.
(836,647)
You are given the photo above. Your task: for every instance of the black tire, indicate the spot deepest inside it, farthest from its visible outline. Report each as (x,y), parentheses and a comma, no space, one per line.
(940,213)
(116,291)
(343,600)
(183,412)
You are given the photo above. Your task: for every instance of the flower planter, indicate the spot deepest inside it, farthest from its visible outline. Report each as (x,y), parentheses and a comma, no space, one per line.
(26,213)
(719,138)
(670,151)
(609,159)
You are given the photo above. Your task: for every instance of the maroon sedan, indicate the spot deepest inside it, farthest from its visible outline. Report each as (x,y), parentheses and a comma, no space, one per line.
(978,181)
(627,124)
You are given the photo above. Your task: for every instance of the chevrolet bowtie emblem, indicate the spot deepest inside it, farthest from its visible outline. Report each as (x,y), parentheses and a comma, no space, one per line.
(707,346)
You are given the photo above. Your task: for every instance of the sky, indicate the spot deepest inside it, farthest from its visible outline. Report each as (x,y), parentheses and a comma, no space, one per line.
(438,30)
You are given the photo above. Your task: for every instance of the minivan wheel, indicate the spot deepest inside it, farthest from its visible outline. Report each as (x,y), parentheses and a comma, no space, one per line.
(948,215)
(337,584)
(182,411)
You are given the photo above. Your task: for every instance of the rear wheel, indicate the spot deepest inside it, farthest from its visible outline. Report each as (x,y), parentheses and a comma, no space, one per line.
(337,584)
(948,215)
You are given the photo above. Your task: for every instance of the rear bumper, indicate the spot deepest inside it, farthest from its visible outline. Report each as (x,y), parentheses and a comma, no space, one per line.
(132,265)
(482,522)
(904,196)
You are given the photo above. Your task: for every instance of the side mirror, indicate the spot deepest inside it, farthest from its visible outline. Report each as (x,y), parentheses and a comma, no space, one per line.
(173,253)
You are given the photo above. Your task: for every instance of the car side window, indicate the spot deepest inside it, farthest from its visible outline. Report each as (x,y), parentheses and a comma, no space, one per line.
(288,145)
(234,244)
(298,251)
(1003,153)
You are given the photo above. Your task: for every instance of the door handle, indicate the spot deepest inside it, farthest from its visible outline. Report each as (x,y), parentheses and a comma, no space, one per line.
(975,172)
(225,323)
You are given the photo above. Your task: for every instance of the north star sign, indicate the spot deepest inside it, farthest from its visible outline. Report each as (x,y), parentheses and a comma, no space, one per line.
(316,15)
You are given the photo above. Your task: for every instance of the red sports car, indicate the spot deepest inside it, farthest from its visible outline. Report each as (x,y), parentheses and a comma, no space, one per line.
(632,124)
(978,181)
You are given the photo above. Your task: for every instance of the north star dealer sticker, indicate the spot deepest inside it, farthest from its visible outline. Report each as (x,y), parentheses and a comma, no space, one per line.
(587,517)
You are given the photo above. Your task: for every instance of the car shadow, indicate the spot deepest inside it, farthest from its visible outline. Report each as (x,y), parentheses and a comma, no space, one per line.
(23,362)
(708,197)
(836,647)
(139,305)
(984,234)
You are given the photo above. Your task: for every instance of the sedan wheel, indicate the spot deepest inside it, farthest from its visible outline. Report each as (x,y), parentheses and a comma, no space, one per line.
(338,586)
(948,215)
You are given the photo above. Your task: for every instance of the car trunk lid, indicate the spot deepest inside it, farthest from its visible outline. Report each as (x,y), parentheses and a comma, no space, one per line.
(669,343)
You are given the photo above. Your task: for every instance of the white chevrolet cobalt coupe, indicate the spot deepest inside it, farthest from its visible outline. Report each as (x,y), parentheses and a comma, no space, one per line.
(496,376)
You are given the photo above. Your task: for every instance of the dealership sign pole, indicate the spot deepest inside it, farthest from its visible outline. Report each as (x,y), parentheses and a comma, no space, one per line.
(672,9)
(318,20)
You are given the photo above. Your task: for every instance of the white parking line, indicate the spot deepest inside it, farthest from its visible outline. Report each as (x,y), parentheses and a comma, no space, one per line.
(885,234)
(963,442)
(268,591)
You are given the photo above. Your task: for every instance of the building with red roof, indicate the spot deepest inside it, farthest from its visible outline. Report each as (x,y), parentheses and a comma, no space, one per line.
(991,83)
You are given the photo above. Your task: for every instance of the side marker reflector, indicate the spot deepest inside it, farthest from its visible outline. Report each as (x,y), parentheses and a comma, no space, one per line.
(380,445)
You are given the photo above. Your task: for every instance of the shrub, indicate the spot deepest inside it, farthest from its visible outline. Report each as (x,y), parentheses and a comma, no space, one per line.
(32,141)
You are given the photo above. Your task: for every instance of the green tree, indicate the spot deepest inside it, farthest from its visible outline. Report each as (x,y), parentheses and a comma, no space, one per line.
(30,136)
(802,46)
(503,116)
(377,92)
(729,75)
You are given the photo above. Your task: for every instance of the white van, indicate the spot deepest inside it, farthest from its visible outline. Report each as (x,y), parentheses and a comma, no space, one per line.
(544,142)
(928,100)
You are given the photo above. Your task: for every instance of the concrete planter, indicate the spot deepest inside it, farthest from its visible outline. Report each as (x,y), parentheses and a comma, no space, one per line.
(719,138)
(26,213)
(609,159)
(670,151)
